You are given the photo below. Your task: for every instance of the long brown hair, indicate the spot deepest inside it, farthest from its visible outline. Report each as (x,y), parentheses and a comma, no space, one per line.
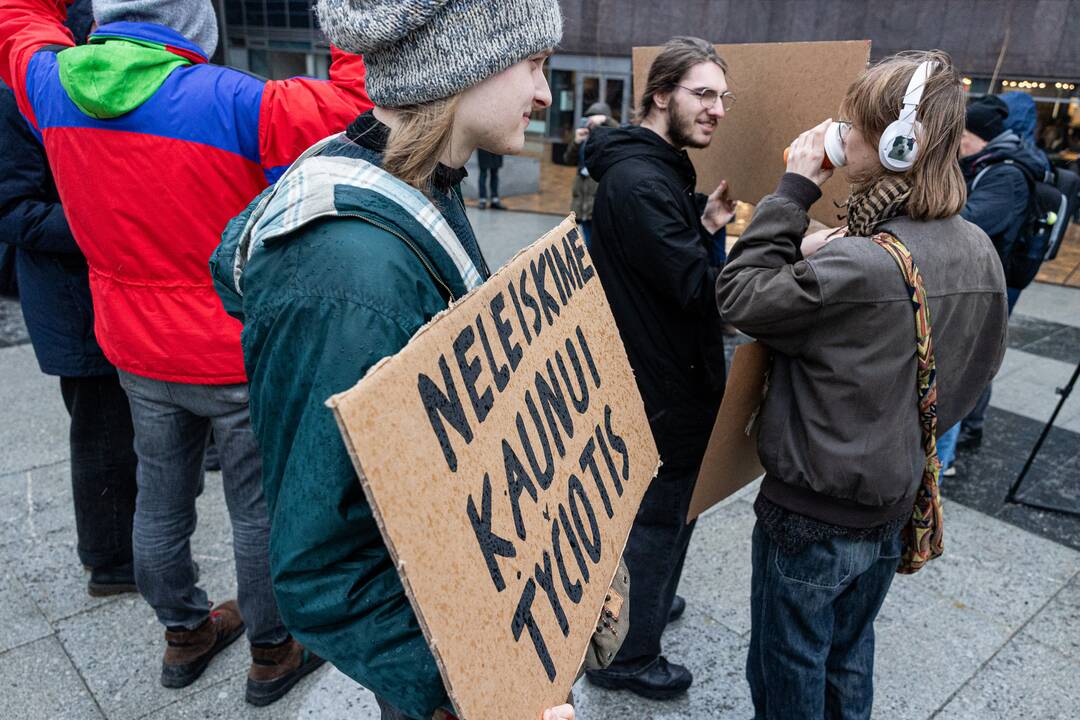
(873,101)
(419,140)
(677,57)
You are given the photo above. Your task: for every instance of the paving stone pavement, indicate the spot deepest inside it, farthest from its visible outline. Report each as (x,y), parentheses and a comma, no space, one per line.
(991,630)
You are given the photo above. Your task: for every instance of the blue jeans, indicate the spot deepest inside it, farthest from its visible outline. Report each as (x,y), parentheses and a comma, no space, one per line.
(812,626)
(489,178)
(946,447)
(172,425)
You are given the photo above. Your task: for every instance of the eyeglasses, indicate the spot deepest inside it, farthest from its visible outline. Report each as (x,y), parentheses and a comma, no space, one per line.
(709,97)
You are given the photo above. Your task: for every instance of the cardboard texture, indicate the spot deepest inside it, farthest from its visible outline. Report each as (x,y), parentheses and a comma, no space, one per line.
(781,90)
(731,459)
(505,451)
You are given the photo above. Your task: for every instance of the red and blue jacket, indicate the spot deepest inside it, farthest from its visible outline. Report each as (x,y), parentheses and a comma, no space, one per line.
(154,150)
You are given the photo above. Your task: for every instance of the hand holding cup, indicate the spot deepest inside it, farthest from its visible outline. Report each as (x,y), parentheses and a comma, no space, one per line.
(807,153)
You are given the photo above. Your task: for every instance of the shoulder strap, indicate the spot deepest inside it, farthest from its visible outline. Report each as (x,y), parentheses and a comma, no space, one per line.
(923,534)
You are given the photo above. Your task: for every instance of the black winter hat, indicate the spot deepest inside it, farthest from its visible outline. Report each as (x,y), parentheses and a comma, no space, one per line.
(986,117)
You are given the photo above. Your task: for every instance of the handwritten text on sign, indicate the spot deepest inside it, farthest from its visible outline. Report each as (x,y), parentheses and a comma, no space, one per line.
(505,451)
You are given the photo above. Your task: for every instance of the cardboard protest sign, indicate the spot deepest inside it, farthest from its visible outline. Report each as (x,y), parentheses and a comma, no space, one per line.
(505,451)
(731,459)
(781,90)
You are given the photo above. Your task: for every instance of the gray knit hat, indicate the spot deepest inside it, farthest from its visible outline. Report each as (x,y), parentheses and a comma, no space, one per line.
(421,50)
(194,19)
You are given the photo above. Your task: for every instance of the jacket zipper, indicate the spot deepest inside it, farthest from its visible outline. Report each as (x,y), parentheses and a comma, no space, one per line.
(412,246)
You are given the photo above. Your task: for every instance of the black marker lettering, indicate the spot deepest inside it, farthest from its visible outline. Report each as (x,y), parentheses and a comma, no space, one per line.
(517,308)
(586,271)
(529,300)
(574,544)
(553,401)
(588,356)
(617,443)
(470,373)
(608,461)
(505,330)
(588,460)
(546,580)
(523,618)
(491,545)
(444,405)
(549,253)
(573,591)
(516,481)
(574,493)
(538,275)
(581,404)
(501,373)
(545,476)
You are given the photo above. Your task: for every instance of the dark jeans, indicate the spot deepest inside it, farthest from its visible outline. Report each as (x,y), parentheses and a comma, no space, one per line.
(172,424)
(812,626)
(102,468)
(489,178)
(977,417)
(654,555)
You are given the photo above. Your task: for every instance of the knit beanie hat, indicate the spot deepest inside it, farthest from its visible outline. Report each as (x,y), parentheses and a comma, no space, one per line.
(416,51)
(986,117)
(194,19)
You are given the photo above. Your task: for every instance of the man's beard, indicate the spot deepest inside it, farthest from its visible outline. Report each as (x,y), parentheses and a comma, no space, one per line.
(681,128)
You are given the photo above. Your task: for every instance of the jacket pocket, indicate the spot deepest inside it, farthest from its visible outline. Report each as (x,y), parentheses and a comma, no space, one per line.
(826,564)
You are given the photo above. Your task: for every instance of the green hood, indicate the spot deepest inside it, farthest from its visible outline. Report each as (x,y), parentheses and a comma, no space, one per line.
(110,78)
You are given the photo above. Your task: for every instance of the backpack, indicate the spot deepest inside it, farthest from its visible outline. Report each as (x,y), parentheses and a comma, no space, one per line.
(1051,201)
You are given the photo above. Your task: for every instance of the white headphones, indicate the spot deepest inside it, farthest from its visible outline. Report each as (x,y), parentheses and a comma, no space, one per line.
(899,145)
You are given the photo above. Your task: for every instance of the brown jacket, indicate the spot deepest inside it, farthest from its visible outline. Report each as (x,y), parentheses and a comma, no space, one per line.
(840,436)
(583,192)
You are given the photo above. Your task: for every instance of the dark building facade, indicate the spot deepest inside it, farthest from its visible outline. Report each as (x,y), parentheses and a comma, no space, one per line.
(1041,40)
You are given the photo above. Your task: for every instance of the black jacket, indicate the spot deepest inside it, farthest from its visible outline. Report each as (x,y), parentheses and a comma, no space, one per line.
(52,273)
(998,204)
(652,256)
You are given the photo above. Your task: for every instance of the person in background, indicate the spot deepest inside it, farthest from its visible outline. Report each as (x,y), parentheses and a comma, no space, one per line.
(583,191)
(55,298)
(373,243)
(490,163)
(153,149)
(999,170)
(876,336)
(651,244)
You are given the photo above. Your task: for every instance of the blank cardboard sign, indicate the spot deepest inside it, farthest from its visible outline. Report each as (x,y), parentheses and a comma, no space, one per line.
(505,451)
(781,89)
(731,459)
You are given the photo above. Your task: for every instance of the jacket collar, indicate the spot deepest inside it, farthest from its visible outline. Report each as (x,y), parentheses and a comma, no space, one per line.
(150,34)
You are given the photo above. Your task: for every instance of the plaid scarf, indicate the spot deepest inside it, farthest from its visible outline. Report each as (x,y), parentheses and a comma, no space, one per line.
(882,201)
(923,533)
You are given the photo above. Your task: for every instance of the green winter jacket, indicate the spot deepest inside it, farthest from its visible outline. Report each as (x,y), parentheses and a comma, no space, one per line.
(330,274)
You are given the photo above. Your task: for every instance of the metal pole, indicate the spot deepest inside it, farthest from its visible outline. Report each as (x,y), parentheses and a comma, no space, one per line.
(1011,497)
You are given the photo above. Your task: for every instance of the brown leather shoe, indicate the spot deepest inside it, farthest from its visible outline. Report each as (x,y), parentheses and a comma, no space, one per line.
(275,670)
(190,651)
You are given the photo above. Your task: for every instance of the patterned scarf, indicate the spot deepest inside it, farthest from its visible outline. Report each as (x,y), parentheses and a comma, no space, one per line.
(882,201)
(923,534)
